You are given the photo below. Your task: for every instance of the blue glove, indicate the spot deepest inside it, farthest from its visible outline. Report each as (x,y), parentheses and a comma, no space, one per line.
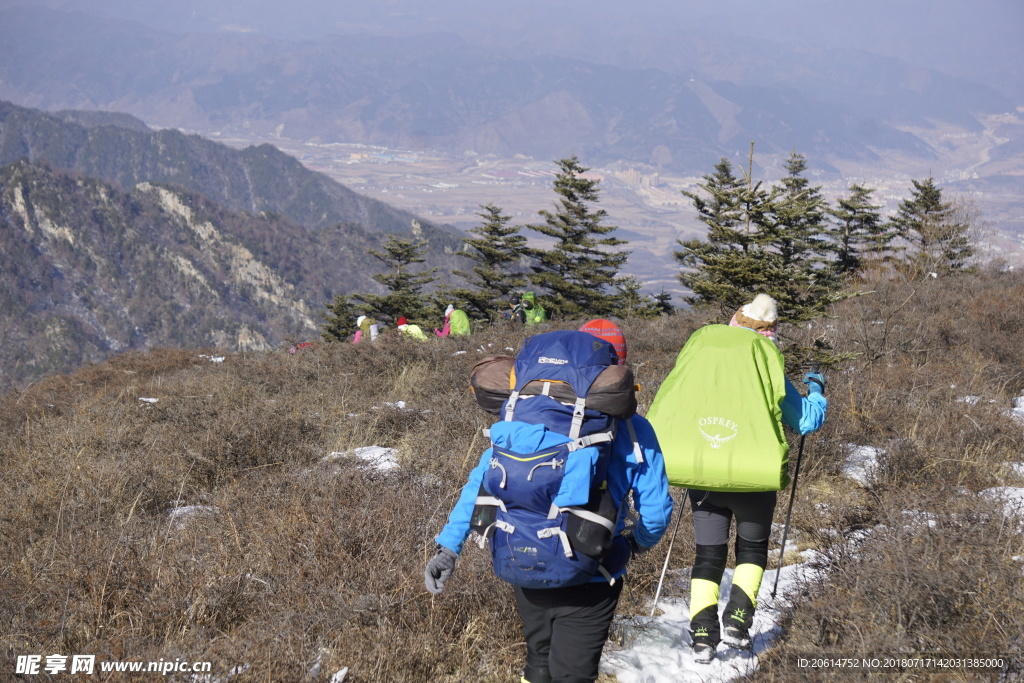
(439,569)
(815,382)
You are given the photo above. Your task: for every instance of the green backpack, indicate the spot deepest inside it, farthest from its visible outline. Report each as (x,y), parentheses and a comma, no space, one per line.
(459,323)
(718,416)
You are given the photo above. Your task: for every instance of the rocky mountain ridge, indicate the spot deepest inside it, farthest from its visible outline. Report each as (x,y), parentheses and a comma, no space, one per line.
(91,269)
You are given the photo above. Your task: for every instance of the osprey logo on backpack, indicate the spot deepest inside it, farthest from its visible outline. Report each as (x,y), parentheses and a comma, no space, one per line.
(544,502)
(711,428)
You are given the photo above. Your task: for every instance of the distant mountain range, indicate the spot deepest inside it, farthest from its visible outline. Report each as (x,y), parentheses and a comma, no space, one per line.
(117,237)
(706,97)
(121,149)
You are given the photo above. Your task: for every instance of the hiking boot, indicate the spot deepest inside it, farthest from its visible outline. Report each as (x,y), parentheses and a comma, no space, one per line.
(737,620)
(735,635)
(704,644)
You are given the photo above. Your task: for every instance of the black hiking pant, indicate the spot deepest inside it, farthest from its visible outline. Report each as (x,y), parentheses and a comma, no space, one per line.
(565,630)
(712,518)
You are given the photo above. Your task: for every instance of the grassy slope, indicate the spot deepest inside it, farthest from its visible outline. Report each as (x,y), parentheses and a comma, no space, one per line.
(301,560)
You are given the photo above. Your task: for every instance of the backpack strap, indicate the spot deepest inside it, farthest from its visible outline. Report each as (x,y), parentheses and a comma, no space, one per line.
(578,413)
(590,440)
(510,406)
(557,531)
(608,524)
(636,444)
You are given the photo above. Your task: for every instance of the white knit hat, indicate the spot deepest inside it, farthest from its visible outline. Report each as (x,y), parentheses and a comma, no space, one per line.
(448,311)
(760,314)
(359,320)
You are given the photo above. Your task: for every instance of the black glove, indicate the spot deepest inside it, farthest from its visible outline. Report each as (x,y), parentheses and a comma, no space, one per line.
(815,382)
(634,547)
(439,569)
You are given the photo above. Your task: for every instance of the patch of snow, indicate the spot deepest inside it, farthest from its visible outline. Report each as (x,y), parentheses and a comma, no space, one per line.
(1017,412)
(862,463)
(396,405)
(1012,498)
(459,353)
(660,647)
(179,516)
(378,456)
(149,400)
(918,517)
(212,359)
(339,676)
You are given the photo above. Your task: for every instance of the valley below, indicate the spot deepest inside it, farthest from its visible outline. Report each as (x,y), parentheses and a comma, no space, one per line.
(647,204)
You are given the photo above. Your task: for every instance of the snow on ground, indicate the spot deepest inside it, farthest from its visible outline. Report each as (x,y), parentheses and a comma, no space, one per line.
(862,463)
(1017,412)
(658,649)
(379,457)
(179,516)
(1012,498)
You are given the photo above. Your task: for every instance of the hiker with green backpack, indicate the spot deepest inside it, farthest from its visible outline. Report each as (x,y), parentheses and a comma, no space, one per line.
(719,416)
(525,309)
(456,323)
(549,495)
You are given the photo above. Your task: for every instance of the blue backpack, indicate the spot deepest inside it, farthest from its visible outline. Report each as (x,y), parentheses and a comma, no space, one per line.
(544,502)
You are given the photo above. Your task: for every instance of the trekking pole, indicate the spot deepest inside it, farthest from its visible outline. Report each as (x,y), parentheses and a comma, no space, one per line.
(792,497)
(785,529)
(664,567)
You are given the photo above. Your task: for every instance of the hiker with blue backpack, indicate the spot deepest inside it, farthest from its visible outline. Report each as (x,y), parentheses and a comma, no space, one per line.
(719,415)
(549,495)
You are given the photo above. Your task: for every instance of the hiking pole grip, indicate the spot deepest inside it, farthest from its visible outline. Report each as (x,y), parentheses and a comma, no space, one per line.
(789,514)
(664,567)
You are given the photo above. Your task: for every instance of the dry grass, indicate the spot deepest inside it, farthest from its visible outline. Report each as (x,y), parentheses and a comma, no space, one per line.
(295,560)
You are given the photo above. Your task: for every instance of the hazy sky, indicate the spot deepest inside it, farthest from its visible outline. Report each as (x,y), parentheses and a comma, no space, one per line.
(977,38)
(981,39)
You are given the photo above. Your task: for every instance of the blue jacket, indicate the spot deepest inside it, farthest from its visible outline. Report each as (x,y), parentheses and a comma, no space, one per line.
(647,480)
(805,414)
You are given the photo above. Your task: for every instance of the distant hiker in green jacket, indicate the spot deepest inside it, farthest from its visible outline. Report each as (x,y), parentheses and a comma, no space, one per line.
(456,323)
(408,330)
(366,329)
(524,308)
(718,416)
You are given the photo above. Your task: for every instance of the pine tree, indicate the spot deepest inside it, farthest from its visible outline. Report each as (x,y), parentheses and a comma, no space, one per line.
(732,261)
(578,271)
(664,303)
(499,251)
(799,234)
(938,241)
(759,240)
(859,235)
(340,319)
(630,302)
(404,285)
(800,217)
